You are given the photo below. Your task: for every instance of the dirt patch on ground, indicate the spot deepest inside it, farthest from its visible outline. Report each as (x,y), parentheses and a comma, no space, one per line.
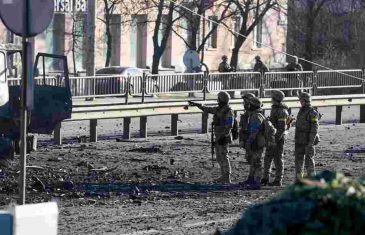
(160,185)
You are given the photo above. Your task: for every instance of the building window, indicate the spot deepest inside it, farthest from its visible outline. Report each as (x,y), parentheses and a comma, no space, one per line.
(212,41)
(236,29)
(257,34)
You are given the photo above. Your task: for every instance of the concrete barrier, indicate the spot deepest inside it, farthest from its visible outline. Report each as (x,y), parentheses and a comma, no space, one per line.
(40,219)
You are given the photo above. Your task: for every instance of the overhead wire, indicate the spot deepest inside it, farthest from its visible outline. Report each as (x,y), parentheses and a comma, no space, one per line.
(257,42)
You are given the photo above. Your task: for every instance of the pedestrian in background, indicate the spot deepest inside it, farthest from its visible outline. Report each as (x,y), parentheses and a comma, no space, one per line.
(224,66)
(260,66)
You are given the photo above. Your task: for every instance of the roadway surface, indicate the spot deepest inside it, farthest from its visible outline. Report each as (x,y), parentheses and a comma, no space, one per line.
(160,185)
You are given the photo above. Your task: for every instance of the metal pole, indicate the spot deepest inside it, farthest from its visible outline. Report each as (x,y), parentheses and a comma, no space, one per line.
(23,109)
(203,6)
(90,45)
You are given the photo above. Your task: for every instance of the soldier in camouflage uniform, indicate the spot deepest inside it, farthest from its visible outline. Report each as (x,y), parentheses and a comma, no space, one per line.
(294,66)
(306,136)
(278,116)
(255,143)
(243,124)
(260,66)
(223,123)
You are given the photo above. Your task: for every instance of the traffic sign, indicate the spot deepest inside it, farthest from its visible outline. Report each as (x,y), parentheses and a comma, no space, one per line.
(40,14)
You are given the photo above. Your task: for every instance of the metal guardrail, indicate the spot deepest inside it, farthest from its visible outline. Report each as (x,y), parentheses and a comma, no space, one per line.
(288,80)
(120,86)
(94,112)
(174,83)
(339,79)
(243,81)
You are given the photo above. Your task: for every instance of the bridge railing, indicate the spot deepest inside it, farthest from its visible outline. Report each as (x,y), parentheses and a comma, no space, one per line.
(120,86)
(242,81)
(288,80)
(174,83)
(327,79)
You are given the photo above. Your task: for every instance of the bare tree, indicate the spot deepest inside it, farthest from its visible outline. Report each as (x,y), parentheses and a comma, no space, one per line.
(165,26)
(193,13)
(326,31)
(76,37)
(244,9)
(109,8)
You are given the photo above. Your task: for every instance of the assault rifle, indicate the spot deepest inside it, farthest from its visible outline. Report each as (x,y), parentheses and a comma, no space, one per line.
(192,103)
(212,140)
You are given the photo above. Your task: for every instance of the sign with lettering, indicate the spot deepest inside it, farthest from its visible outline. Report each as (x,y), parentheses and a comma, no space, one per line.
(68,6)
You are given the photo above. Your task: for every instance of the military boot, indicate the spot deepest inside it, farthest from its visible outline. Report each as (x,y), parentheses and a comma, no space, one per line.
(276,183)
(249,180)
(218,180)
(224,179)
(253,185)
(264,181)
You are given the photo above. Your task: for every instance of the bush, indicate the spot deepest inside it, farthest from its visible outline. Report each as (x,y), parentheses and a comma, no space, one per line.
(327,204)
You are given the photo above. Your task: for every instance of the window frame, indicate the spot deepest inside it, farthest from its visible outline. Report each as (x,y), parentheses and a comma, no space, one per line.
(213,39)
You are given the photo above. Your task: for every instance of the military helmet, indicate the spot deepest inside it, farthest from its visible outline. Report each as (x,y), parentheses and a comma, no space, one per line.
(223,97)
(224,57)
(277,95)
(305,96)
(256,102)
(248,95)
(257,57)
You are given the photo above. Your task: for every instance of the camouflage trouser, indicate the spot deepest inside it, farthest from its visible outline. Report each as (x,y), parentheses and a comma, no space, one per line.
(248,156)
(223,159)
(304,156)
(275,153)
(255,164)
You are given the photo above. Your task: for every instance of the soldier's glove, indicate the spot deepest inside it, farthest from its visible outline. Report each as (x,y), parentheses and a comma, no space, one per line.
(192,103)
(222,140)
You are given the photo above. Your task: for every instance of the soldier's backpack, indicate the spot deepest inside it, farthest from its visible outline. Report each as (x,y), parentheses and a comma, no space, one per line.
(269,131)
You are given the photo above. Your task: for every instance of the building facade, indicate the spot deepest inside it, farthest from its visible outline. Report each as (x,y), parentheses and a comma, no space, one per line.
(132,39)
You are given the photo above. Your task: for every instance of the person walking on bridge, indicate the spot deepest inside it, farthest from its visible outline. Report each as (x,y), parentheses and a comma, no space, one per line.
(278,117)
(306,136)
(223,120)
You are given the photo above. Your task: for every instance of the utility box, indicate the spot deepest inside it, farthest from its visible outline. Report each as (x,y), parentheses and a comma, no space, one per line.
(39,219)
(6,223)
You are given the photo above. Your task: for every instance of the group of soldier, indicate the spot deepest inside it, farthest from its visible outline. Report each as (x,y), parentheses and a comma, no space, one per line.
(252,137)
(259,66)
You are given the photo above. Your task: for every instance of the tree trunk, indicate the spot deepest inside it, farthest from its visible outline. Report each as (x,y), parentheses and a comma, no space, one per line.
(234,57)
(236,49)
(156,60)
(108,45)
(309,45)
(156,47)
